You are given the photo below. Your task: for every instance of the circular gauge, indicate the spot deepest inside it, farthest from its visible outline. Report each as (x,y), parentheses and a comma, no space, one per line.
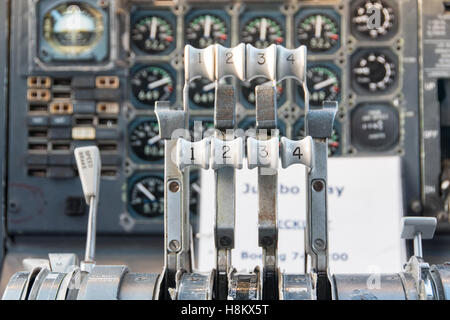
(73,28)
(248,90)
(323,85)
(145,141)
(261,32)
(319,32)
(202,93)
(374,72)
(152,83)
(152,35)
(375,127)
(146,196)
(205,30)
(373,19)
(334,142)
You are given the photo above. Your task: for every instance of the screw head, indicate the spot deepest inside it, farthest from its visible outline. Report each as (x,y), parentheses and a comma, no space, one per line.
(225,241)
(174,245)
(319,244)
(318,185)
(174,186)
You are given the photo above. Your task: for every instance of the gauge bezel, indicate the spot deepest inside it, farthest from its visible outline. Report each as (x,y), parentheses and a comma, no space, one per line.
(137,15)
(358,54)
(327,64)
(136,68)
(250,15)
(362,37)
(131,181)
(328,11)
(99,52)
(131,154)
(195,12)
(367,149)
(337,125)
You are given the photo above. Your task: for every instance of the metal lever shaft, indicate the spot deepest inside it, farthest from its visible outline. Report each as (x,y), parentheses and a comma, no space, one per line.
(267,191)
(89,168)
(319,125)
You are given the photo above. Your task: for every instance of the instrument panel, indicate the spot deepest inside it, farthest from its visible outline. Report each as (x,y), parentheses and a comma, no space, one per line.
(89,71)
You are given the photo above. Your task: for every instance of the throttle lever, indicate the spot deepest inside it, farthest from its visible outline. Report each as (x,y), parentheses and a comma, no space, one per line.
(89,168)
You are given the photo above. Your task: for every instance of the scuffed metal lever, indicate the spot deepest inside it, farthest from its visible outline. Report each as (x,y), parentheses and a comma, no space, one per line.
(172,125)
(319,125)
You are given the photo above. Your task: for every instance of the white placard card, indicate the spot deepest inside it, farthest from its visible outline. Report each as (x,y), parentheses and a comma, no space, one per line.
(365,207)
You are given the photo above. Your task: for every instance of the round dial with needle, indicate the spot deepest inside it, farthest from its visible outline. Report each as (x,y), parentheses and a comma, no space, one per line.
(261,32)
(374,72)
(201,93)
(323,85)
(152,83)
(319,32)
(206,29)
(146,196)
(365,23)
(248,90)
(145,142)
(152,34)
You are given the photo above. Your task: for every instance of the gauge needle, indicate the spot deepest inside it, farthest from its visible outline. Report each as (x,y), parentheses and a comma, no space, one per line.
(324,83)
(207,30)
(153,28)
(159,83)
(153,140)
(209,86)
(263,29)
(196,188)
(145,191)
(318,26)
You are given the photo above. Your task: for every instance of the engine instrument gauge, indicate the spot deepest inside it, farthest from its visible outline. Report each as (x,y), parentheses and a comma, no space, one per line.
(152,35)
(261,32)
(248,90)
(373,19)
(146,196)
(375,127)
(206,29)
(324,84)
(201,93)
(152,83)
(334,142)
(319,32)
(374,71)
(145,142)
(72,29)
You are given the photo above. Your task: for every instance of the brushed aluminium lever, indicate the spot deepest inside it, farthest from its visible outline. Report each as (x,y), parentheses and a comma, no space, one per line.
(319,125)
